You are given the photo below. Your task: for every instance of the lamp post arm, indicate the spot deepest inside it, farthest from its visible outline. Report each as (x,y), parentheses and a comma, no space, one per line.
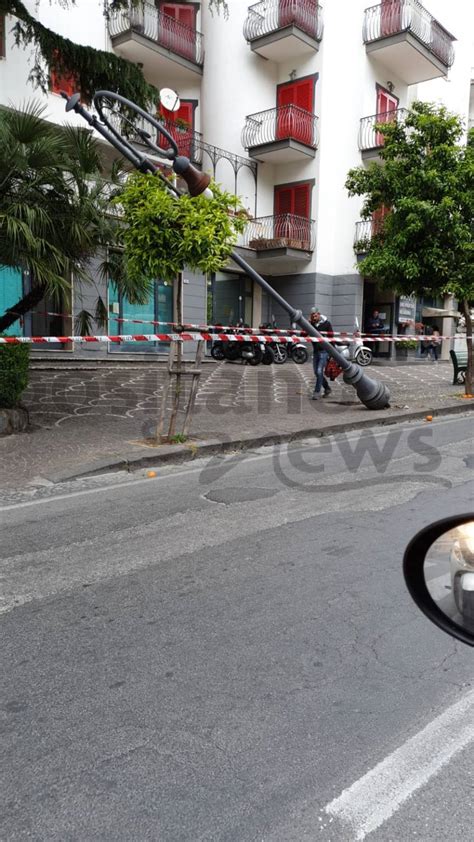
(295,315)
(372,393)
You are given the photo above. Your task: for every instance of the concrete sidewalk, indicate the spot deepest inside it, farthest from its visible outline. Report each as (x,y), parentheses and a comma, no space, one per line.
(92,419)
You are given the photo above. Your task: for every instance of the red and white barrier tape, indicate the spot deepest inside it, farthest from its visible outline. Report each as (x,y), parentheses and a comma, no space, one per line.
(186,336)
(249,332)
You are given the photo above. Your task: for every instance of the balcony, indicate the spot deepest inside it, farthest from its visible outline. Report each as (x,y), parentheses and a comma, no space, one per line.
(370,140)
(278,244)
(280,30)
(363,235)
(170,52)
(189,142)
(407,40)
(279,135)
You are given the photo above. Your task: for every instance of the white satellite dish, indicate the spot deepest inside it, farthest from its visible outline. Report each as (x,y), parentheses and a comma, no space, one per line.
(169,99)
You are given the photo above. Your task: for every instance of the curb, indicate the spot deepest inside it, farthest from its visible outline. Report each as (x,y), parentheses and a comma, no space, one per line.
(179,454)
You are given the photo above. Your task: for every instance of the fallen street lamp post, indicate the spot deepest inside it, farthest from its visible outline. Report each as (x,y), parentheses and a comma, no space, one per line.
(372,393)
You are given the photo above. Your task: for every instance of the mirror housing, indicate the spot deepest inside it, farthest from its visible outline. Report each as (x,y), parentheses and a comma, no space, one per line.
(414,573)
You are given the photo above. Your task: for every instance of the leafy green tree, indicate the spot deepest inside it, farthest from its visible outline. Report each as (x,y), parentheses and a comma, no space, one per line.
(94,69)
(163,234)
(424,245)
(55,204)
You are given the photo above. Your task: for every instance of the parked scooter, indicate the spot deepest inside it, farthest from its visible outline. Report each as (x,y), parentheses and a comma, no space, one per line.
(355,350)
(283,351)
(252,353)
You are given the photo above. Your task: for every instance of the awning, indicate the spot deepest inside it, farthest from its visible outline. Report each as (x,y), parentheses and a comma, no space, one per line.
(429,312)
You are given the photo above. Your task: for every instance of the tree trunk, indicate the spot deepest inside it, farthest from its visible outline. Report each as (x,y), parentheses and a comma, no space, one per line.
(23,306)
(467,315)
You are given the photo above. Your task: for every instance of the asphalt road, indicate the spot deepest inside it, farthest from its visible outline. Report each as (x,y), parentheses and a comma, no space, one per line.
(228,651)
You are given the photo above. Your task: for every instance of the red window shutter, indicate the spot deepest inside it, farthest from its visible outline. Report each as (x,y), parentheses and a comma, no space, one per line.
(62,80)
(385,102)
(301,200)
(298,93)
(283,200)
(286,94)
(292,122)
(173,121)
(292,215)
(178,29)
(390,17)
(378,217)
(186,16)
(386,106)
(304,94)
(183,14)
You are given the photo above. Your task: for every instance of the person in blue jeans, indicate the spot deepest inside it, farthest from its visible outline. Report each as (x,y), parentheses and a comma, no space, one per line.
(320,355)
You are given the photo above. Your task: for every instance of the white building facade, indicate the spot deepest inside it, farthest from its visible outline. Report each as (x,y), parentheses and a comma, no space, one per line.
(278,102)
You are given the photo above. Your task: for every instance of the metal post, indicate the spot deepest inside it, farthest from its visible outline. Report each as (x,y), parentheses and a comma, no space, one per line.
(372,393)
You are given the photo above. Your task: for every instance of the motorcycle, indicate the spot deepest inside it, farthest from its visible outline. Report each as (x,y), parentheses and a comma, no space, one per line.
(252,353)
(298,352)
(355,350)
(283,351)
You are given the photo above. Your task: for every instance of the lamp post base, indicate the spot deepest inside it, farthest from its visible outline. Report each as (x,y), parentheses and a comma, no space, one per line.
(372,393)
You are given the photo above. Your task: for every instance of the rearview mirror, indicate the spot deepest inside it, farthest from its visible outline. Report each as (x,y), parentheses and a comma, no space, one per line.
(439,573)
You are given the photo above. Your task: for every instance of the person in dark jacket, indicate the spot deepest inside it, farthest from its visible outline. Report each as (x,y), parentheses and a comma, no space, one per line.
(320,355)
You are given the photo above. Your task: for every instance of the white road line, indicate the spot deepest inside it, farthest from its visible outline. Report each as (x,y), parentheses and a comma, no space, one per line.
(375,797)
(404,425)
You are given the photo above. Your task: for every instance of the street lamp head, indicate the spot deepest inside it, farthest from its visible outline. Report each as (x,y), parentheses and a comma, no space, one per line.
(198,182)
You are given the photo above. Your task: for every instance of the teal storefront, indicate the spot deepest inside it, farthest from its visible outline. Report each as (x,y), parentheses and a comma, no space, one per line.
(11,291)
(158,308)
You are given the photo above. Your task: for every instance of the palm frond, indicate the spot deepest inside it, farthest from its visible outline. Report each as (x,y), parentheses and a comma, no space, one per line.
(101,316)
(83,323)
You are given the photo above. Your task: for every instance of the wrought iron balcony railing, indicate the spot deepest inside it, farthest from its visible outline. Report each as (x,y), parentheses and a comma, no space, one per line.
(189,142)
(363,235)
(271,15)
(369,137)
(280,231)
(394,16)
(368,228)
(145,19)
(287,122)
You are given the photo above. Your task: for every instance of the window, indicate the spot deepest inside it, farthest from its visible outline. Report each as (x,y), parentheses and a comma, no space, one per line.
(292,214)
(303,14)
(180,125)
(295,117)
(391,17)
(62,79)
(387,105)
(2,37)
(378,219)
(178,28)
